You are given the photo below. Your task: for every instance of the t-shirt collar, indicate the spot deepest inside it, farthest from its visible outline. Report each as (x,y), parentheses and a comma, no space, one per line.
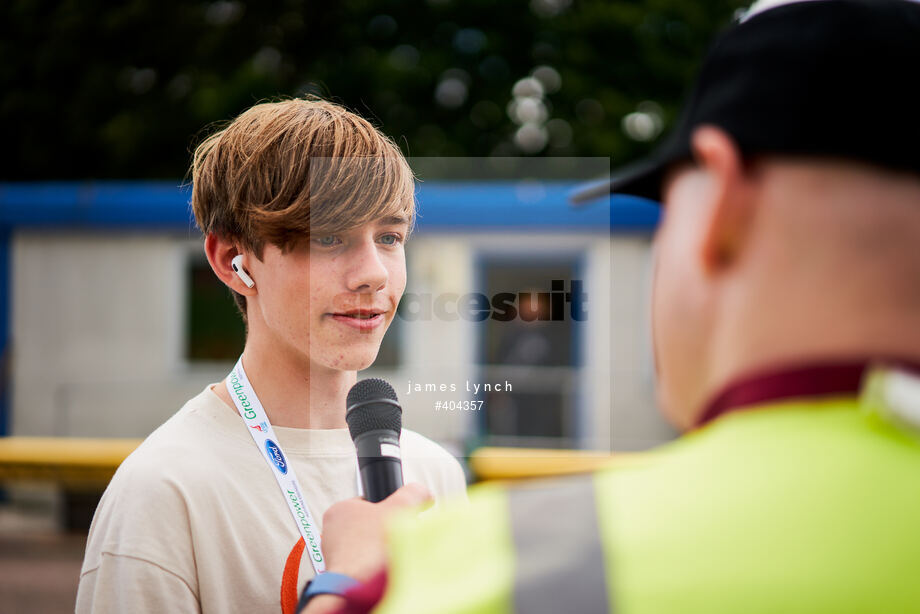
(815,379)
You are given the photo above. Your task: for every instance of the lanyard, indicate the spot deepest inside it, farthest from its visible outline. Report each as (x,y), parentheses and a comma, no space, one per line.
(247,403)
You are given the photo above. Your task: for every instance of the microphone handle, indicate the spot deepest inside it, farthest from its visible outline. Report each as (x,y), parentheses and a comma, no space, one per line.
(380,463)
(381,479)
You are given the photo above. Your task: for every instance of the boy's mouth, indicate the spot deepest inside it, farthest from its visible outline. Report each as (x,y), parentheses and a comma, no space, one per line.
(362,319)
(361,314)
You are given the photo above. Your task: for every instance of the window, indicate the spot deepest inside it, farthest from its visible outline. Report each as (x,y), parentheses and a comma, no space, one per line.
(534,354)
(214,329)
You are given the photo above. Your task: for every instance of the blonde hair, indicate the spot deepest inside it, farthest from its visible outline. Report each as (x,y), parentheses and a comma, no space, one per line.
(283,170)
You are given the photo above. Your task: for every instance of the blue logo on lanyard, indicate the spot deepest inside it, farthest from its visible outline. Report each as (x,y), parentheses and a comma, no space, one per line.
(274,453)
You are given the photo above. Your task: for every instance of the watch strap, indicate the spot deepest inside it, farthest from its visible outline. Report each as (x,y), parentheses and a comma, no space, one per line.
(326,583)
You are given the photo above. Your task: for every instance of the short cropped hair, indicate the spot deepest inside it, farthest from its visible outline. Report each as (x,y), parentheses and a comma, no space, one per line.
(283,170)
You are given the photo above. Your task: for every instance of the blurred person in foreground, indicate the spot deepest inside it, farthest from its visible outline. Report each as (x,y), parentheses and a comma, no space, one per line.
(786,316)
(306,209)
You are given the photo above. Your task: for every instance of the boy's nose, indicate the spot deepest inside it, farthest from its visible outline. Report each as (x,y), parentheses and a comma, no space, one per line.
(367,272)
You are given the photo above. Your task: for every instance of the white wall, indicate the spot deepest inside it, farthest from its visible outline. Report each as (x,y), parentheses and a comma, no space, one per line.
(96,330)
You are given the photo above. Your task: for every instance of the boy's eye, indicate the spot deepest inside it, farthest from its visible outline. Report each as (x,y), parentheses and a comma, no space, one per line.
(327,240)
(390,239)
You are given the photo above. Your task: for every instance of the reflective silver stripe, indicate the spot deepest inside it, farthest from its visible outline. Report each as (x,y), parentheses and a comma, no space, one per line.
(559,559)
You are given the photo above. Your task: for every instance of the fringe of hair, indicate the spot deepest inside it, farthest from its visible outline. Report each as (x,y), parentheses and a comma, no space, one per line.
(283,170)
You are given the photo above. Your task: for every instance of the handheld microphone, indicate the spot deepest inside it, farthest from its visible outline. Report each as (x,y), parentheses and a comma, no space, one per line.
(374,420)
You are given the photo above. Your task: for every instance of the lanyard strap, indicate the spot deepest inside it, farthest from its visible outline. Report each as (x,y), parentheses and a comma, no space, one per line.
(247,403)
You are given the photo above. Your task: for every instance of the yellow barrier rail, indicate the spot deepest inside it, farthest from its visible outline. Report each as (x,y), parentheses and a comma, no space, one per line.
(87,463)
(490,463)
(73,462)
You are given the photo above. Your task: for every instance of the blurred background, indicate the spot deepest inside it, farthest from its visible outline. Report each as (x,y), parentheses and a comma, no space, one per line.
(105,287)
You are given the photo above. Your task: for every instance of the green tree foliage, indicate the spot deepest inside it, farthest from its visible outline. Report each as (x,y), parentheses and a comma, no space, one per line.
(100,89)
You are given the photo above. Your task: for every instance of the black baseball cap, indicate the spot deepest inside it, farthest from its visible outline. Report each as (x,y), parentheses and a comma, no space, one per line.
(817,78)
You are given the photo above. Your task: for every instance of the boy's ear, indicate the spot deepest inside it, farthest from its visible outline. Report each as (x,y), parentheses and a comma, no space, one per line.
(220,255)
(731,208)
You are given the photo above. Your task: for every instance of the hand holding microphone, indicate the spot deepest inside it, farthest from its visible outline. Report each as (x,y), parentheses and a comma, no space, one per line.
(354,531)
(354,540)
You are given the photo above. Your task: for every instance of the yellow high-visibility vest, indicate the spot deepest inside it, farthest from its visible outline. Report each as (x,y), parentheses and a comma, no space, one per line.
(804,506)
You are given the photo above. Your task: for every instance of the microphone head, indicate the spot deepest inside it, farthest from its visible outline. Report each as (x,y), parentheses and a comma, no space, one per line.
(372,405)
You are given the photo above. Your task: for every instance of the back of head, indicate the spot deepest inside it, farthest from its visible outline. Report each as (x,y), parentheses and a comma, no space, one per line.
(793,197)
(283,170)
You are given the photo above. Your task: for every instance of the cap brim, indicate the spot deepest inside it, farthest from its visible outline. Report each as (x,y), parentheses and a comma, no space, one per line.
(642,178)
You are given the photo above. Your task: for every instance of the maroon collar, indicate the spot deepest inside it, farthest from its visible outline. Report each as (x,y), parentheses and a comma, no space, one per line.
(842,378)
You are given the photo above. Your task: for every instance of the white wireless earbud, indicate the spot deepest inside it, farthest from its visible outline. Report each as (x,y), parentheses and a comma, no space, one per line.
(237,264)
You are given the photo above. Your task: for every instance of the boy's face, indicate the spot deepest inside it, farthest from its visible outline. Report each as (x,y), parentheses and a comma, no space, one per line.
(333,301)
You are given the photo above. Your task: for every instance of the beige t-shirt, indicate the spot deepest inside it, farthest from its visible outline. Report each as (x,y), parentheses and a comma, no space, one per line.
(194,521)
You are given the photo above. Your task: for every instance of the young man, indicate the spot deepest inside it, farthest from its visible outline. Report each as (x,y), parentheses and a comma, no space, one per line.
(786,315)
(305,208)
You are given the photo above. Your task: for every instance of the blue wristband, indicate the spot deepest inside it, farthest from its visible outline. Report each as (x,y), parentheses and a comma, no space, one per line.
(326,583)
